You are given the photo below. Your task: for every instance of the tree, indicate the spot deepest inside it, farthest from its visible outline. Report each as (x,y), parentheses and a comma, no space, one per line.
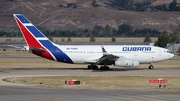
(92,39)
(113,39)
(107,31)
(163,39)
(161,7)
(94,3)
(172,5)
(86,30)
(8,40)
(62,39)
(61,5)
(175,38)
(69,39)
(125,30)
(122,4)
(147,38)
(50,38)
(22,40)
(97,31)
(74,6)
(44,30)
(142,6)
(71,5)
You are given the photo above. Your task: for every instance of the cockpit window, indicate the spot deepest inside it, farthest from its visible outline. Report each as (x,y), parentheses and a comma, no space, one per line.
(169,52)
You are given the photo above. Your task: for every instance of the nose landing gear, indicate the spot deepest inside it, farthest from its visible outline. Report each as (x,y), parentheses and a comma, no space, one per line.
(151,66)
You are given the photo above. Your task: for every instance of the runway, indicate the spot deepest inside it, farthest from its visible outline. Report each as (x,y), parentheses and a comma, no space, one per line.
(46,94)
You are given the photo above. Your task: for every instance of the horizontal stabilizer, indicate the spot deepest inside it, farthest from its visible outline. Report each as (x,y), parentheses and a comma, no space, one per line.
(13,46)
(37,50)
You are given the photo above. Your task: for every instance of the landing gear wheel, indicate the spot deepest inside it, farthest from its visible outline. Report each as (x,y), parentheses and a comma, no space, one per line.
(89,67)
(92,66)
(151,67)
(104,68)
(95,67)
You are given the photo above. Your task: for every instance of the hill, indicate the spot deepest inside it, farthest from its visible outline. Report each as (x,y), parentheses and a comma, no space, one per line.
(84,16)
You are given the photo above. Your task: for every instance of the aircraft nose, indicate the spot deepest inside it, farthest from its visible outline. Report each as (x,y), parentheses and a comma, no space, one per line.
(170,55)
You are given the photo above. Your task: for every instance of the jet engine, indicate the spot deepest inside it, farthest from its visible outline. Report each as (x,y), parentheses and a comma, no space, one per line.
(125,62)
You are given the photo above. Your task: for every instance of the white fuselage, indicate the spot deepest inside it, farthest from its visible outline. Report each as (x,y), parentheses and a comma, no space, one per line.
(84,53)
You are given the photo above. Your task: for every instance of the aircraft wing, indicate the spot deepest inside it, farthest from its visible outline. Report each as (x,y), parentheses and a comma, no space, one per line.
(23,48)
(107,58)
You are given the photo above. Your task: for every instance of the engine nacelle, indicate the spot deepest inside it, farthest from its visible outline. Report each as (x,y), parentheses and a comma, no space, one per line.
(125,62)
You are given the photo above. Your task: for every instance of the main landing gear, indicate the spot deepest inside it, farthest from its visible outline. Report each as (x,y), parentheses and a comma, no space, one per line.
(104,67)
(151,66)
(92,66)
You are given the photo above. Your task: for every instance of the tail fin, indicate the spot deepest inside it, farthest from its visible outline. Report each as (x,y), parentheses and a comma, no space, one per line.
(30,32)
(34,38)
(38,43)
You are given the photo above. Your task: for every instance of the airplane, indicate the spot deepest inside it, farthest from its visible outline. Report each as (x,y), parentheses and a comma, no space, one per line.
(93,55)
(22,48)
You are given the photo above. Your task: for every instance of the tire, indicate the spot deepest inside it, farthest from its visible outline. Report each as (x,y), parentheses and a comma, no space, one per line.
(89,67)
(95,67)
(151,67)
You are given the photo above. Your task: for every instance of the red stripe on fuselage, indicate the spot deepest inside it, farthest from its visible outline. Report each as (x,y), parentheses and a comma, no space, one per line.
(32,42)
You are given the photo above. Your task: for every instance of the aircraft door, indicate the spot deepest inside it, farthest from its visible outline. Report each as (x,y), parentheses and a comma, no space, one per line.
(136,53)
(159,52)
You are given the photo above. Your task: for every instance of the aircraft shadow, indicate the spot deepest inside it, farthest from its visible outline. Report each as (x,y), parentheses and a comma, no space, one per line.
(97,70)
(3,72)
(42,68)
(119,69)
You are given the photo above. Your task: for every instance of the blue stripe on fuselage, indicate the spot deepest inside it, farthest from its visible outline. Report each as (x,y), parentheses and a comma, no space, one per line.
(35,31)
(59,55)
(22,19)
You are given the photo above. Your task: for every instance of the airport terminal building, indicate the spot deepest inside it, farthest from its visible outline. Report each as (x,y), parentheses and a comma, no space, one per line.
(173,47)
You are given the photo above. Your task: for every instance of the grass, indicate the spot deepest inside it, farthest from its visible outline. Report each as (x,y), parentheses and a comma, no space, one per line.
(101,82)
